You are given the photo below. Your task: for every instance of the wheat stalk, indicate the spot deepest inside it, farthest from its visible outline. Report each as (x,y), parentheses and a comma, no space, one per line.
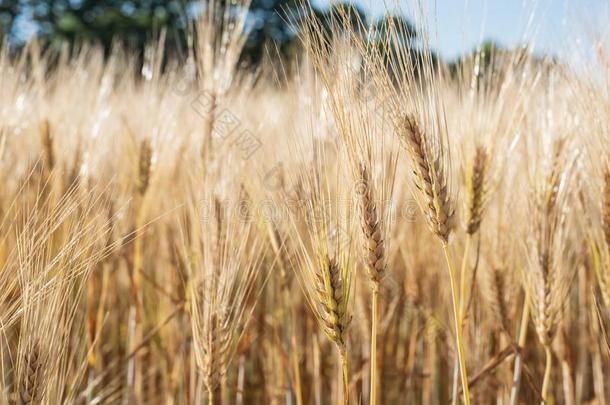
(476,195)
(142,183)
(52,269)
(326,281)
(550,271)
(601,251)
(323,244)
(606,207)
(279,246)
(226,258)
(431,180)
(374,249)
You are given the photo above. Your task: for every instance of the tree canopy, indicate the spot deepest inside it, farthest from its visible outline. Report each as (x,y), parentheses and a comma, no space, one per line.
(135,22)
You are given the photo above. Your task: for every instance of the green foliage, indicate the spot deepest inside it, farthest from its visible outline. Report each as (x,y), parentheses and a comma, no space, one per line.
(133,22)
(8,12)
(272,24)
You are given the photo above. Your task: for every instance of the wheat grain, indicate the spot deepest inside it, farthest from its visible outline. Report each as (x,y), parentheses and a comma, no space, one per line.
(551,266)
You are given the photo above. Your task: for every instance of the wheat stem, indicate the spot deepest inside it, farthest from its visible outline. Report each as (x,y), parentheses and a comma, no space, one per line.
(463,279)
(138,258)
(463,306)
(344,369)
(374,302)
(317,378)
(224,390)
(597,365)
(458,325)
(514,393)
(142,182)
(241,377)
(569,392)
(547,374)
(295,364)
(456,381)
(294,355)
(211,398)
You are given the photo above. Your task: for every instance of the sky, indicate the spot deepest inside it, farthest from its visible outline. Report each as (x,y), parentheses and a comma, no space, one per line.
(551,26)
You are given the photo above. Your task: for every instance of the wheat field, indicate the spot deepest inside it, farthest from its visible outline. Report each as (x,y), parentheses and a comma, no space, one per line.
(360,225)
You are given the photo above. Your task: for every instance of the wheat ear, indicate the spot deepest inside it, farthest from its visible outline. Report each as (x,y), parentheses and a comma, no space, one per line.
(476,189)
(329,287)
(30,390)
(374,246)
(550,274)
(333,294)
(476,196)
(430,179)
(144,167)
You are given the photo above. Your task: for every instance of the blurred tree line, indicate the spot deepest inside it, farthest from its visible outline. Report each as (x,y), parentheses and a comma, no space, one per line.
(133,23)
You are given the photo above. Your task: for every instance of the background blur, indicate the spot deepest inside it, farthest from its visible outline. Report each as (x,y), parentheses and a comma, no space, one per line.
(553,27)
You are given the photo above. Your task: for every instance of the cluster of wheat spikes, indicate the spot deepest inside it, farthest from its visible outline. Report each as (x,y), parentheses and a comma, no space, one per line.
(364,224)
